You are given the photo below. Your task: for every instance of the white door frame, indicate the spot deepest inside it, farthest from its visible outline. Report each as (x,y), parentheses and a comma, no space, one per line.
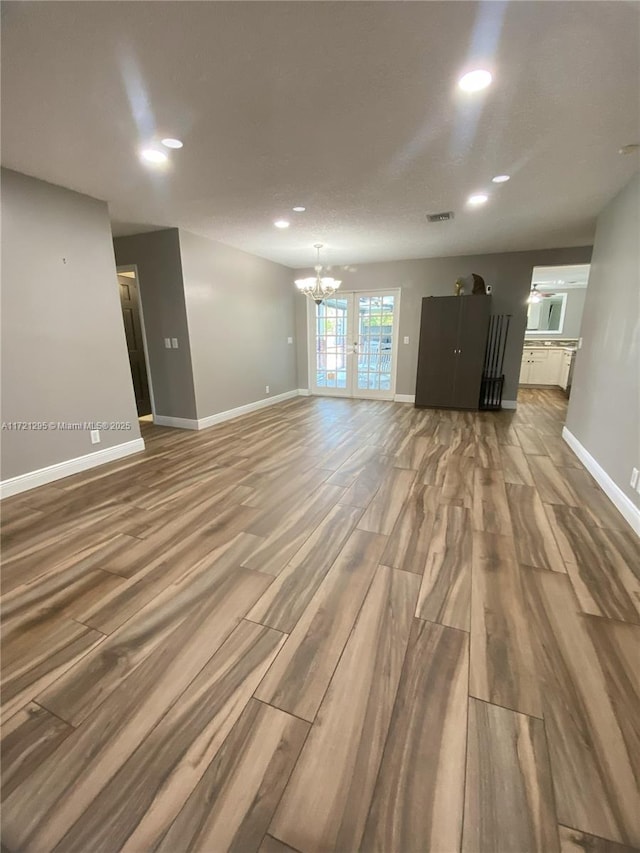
(353,391)
(134,269)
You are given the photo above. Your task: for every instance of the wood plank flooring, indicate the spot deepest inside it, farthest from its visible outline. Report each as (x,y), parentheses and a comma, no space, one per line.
(330,625)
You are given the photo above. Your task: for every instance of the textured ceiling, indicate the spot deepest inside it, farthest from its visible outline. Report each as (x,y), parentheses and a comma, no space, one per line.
(350,109)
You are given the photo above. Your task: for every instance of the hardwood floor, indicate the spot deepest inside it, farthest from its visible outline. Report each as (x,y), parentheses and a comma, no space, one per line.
(330,625)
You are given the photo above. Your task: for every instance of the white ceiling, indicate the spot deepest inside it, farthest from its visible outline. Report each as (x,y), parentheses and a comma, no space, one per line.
(350,109)
(567,277)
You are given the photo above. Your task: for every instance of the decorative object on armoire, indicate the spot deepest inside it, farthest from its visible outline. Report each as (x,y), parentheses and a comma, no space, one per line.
(479,287)
(320,287)
(459,287)
(492,375)
(453,340)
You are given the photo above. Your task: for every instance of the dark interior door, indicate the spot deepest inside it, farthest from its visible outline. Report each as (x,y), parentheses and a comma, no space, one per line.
(472,341)
(133,332)
(436,354)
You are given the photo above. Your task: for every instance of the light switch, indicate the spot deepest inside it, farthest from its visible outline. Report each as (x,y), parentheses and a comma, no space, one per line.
(95,436)
(174,343)
(289,340)
(167,343)
(406,339)
(579,343)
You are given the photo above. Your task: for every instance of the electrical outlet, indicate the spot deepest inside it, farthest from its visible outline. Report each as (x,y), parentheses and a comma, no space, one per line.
(634,478)
(174,343)
(266,388)
(406,339)
(95,436)
(289,340)
(167,343)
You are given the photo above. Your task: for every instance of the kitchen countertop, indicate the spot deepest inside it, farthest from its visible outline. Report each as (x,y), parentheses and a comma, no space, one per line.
(567,346)
(564,349)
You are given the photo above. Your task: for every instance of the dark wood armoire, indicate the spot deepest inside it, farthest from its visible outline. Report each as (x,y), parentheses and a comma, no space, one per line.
(453,338)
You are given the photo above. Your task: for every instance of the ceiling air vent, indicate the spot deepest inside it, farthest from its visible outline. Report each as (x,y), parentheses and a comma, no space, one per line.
(440,217)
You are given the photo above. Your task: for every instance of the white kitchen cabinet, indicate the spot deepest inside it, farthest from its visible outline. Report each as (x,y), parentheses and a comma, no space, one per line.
(565,369)
(524,372)
(541,366)
(534,365)
(550,374)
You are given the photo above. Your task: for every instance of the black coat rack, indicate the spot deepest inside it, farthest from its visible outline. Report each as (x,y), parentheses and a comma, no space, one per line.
(492,375)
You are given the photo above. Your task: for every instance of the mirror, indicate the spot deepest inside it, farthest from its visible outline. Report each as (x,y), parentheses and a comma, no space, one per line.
(547,315)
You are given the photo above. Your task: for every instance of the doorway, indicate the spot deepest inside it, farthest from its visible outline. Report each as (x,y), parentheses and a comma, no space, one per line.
(554,318)
(136,343)
(353,345)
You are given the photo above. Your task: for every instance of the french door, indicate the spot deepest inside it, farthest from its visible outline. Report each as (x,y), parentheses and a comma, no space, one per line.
(353,345)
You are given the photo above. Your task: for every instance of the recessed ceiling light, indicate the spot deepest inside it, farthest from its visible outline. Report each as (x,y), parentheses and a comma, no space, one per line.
(501,179)
(152,155)
(477,199)
(169,142)
(281,223)
(299,209)
(473,81)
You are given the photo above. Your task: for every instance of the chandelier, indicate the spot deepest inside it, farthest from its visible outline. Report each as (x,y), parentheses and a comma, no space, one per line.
(320,287)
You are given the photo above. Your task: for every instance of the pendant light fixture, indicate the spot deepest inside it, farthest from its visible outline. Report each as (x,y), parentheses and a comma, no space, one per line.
(320,287)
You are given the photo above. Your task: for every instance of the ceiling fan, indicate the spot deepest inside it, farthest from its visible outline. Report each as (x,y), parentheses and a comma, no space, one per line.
(535,295)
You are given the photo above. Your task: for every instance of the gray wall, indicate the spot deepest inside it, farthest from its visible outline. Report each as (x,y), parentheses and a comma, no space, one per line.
(508,273)
(604,408)
(576,297)
(157,257)
(64,355)
(241,313)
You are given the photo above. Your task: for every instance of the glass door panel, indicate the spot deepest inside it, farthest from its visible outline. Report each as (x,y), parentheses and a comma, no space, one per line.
(376,344)
(353,345)
(331,346)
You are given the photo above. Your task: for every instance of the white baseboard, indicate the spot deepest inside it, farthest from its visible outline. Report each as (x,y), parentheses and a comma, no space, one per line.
(304,392)
(218,418)
(24,482)
(410,398)
(622,503)
(178,423)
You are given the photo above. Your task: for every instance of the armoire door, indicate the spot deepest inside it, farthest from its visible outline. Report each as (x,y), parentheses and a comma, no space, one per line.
(472,342)
(437,352)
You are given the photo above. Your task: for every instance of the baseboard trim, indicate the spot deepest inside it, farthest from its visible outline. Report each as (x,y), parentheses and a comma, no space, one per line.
(622,503)
(178,423)
(304,392)
(410,398)
(33,479)
(230,414)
